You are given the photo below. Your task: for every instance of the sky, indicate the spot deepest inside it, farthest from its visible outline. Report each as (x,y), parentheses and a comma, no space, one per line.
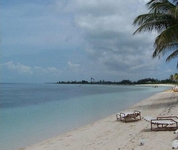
(73,40)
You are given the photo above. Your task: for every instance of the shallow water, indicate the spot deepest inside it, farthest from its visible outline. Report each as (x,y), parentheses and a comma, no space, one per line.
(30,113)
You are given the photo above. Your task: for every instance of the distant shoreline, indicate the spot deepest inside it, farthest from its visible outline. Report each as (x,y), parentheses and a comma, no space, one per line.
(123,82)
(116,83)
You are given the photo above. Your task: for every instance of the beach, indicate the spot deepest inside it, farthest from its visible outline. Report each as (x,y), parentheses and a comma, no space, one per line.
(110,134)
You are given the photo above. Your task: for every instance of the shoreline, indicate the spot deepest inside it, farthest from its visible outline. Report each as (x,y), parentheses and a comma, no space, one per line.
(111,134)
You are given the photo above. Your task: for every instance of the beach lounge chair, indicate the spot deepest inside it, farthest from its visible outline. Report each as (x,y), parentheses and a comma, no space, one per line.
(166,123)
(129,116)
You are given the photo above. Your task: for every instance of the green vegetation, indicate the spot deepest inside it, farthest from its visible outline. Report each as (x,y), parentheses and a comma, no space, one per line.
(174,77)
(124,82)
(162,18)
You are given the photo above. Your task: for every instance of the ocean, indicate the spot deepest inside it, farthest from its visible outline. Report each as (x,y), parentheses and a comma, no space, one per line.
(30,113)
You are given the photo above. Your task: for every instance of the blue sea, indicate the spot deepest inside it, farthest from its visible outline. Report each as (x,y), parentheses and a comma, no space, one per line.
(30,113)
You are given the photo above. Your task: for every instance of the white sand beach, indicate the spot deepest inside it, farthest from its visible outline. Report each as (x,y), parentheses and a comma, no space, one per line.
(109,134)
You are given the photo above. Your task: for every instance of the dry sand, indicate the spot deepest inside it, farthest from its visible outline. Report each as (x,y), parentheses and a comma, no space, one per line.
(109,134)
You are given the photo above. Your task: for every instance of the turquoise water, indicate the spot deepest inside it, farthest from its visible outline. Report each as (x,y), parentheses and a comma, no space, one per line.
(30,113)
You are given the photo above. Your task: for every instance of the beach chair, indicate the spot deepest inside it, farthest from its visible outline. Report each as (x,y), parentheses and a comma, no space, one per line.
(166,123)
(128,116)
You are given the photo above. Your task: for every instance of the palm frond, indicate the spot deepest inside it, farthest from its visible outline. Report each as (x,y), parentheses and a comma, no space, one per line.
(154,1)
(164,49)
(173,55)
(167,36)
(162,17)
(144,18)
(152,23)
(160,7)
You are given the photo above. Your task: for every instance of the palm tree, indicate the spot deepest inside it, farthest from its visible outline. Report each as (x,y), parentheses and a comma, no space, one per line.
(171,77)
(163,18)
(174,77)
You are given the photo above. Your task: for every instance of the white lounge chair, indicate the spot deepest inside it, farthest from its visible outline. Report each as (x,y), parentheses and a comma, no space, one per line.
(129,116)
(163,123)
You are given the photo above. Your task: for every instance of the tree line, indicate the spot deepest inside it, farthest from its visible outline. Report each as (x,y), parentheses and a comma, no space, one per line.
(123,82)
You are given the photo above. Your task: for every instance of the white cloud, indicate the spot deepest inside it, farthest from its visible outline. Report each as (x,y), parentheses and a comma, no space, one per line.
(77,38)
(107,28)
(27,70)
(73,65)
(20,68)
